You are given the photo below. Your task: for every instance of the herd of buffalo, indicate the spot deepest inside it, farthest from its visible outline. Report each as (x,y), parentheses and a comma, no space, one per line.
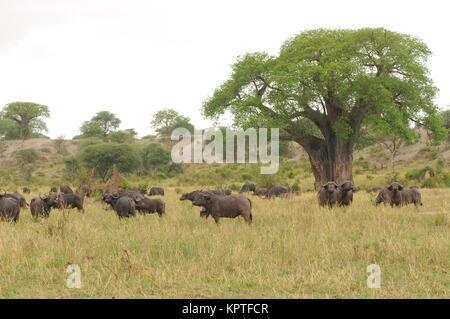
(216,203)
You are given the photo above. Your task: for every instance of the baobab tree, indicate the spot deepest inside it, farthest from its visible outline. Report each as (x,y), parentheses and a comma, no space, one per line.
(325,85)
(28,116)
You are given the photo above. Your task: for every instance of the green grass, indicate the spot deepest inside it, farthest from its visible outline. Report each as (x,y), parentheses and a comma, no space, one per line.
(292,250)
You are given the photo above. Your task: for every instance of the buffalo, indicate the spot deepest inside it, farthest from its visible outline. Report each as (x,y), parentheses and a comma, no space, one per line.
(9,208)
(328,194)
(26,190)
(41,206)
(373,189)
(64,189)
(155,191)
(345,193)
(19,198)
(384,196)
(247,188)
(260,192)
(401,197)
(53,190)
(124,206)
(278,190)
(84,191)
(147,205)
(225,206)
(70,200)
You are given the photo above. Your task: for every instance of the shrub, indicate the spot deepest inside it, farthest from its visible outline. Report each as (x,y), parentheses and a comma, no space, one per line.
(120,137)
(26,156)
(71,167)
(60,145)
(45,150)
(154,156)
(295,188)
(101,158)
(125,184)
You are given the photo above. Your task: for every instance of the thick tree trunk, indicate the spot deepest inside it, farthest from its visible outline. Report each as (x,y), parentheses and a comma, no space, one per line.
(330,161)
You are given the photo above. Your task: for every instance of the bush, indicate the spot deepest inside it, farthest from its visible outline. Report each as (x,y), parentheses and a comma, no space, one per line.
(125,184)
(160,176)
(234,187)
(154,156)
(60,145)
(101,158)
(45,150)
(71,167)
(26,156)
(120,137)
(295,188)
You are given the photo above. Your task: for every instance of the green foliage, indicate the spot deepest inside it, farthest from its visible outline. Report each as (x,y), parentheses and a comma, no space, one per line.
(9,130)
(60,145)
(90,129)
(333,83)
(102,157)
(25,118)
(154,156)
(26,156)
(101,125)
(72,167)
(295,187)
(120,137)
(165,121)
(125,184)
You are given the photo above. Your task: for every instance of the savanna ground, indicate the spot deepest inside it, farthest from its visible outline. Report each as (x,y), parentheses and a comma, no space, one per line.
(292,250)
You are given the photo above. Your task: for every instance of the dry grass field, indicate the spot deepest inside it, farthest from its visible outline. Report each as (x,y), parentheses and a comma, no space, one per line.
(292,250)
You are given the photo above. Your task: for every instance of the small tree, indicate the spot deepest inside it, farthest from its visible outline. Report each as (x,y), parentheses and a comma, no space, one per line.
(120,137)
(155,156)
(60,145)
(26,157)
(102,124)
(28,116)
(102,157)
(165,121)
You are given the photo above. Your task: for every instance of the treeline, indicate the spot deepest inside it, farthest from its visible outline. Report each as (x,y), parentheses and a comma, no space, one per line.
(96,158)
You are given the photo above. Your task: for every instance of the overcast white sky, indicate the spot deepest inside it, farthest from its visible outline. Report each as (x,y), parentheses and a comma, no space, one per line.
(136,57)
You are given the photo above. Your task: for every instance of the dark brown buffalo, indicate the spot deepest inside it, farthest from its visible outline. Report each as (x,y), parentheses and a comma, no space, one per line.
(147,205)
(396,194)
(401,197)
(9,208)
(142,191)
(134,194)
(155,191)
(64,189)
(260,192)
(328,194)
(41,206)
(53,190)
(384,196)
(124,206)
(225,206)
(278,190)
(84,191)
(70,201)
(20,199)
(411,196)
(345,193)
(373,189)
(26,190)
(247,188)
